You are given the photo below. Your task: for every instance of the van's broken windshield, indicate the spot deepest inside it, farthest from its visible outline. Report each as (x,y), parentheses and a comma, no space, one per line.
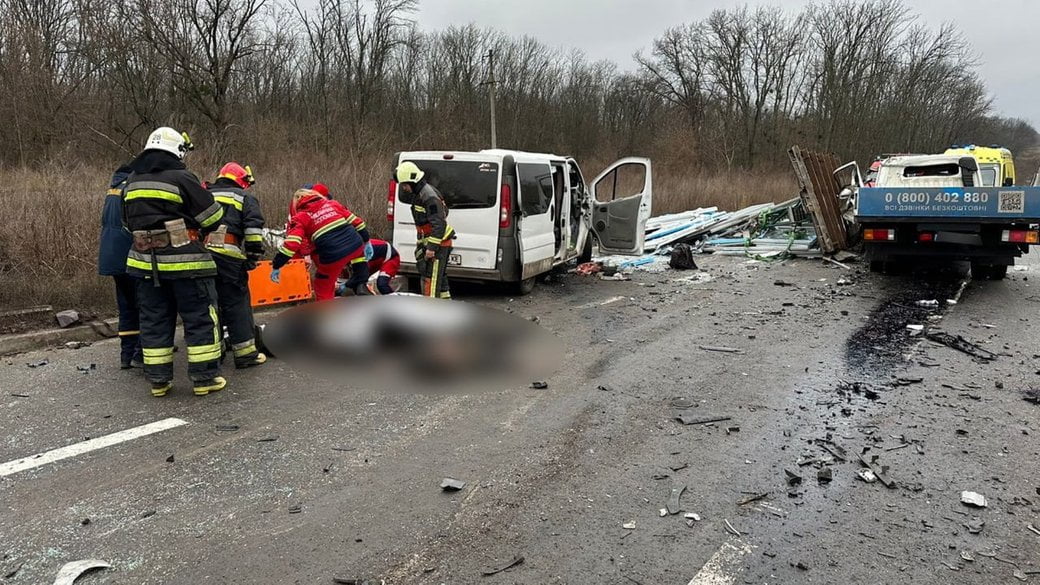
(464,184)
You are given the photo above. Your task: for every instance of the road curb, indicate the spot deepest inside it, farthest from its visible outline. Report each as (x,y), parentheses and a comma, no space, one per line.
(33,340)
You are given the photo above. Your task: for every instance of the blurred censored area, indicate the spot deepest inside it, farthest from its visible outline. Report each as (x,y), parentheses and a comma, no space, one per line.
(413,344)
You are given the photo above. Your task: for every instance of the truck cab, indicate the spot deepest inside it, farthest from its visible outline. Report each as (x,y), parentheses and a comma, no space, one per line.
(518,214)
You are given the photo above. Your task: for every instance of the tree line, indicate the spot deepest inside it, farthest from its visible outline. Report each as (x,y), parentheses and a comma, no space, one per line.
(84,81)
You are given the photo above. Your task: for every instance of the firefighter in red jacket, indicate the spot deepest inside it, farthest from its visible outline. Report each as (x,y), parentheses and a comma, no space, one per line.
(384,264)
(339,238)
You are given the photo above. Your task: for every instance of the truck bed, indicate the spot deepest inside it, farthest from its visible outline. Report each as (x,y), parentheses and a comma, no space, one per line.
(1019,205)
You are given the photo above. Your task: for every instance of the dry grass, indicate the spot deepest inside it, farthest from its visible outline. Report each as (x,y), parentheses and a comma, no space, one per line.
(48,249)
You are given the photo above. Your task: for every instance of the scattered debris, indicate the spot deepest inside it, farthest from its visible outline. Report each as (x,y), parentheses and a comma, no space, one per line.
(693,516)
(67,318)
(908,380)
(965,555)
(682,403)
(960,344)
(929,304)
(296,508)
(792,477)
(86,369)
(973,499)
(589,268)
(752,498)
(721,349)
(273,438)
(72,571)
(881,472)
(17,395)
(1032,395)
(539,385)
(498,569)
(1033,529)
(866,475)
(1018,574)
(732,530)
(691,419)
(681,258)
(170,459)
(673,499)
(147,514)
(629,525)
(825,475)
(227,428)
(801,565)
(975,525)
(341,581)
(14,571)
(915,328)
(449,484)
(39,363)
(76,344)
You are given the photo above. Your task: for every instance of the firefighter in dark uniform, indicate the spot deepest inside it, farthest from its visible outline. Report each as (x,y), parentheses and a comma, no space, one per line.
(433,234)
(114,245)
(169,213)
(236,246)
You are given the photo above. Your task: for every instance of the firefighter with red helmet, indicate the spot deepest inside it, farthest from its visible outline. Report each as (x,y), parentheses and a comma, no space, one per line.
(384,264)
(236,246)
(339,238)
(433,234)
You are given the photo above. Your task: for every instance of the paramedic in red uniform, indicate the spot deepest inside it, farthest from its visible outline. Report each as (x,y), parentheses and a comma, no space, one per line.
(385,263)
(339,238)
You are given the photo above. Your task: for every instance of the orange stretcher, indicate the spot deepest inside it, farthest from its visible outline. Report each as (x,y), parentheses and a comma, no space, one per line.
(295,285)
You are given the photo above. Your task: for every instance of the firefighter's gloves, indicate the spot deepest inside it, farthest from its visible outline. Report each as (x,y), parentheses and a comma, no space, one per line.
(369,252)
(276,276)
(430,254)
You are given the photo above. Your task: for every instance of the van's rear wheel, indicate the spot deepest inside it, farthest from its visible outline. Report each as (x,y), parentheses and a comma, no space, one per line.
(525,286)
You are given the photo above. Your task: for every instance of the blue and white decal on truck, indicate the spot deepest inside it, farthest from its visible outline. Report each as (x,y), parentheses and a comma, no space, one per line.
(949,203)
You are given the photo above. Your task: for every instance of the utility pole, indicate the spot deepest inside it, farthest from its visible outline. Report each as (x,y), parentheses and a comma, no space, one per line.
(491,95)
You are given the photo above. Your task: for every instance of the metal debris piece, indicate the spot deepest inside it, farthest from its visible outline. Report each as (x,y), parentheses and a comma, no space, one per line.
(975,525)
(227,428)
(147,514)
(39,363)
(498,569)
(928,304)
(87,368)
(72,571)
(866,475)
(720,349)
(730,528)
(1018,574)
(825,475)
(662,512)
(682,403)
(881,472)
(449,484)
(17,395)
(792,477)
(171,458)
(295,508)
(76,344)
(960,344)
(908,380)
(629,525)
(14,570)
(752,498)
(1033,529)
(268,439)
(973,499)
(967,556)
(693,516)
(678,466)
(539,385)
(691,419)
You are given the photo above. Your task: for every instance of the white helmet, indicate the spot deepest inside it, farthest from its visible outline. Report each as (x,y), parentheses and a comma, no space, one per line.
(169,140)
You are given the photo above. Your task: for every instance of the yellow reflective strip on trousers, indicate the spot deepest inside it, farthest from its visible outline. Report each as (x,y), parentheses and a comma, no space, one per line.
(171,266)
(254,238)
(228,201)
(216,325)
(125,333)
(157,356)
(244,351)
(325,229)
(153,194)
(433,277)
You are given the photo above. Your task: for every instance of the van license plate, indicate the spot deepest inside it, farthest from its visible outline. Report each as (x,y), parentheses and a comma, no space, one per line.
(454,260)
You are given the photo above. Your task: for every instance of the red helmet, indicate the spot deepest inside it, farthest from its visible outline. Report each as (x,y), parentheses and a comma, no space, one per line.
(237,173)
(303,198)
(321,189)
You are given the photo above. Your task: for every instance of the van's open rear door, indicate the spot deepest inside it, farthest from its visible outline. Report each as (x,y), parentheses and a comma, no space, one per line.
(622,196)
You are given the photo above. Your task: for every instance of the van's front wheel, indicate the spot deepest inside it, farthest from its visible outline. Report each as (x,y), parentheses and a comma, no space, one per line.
(525,286)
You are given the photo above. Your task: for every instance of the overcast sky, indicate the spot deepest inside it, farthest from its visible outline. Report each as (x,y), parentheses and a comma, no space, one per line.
(1005,33)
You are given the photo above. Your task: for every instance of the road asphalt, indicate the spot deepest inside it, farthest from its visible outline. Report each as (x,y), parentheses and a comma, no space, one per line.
(291,477)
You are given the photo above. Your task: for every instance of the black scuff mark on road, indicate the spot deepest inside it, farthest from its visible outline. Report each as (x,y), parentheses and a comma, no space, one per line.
(880,344)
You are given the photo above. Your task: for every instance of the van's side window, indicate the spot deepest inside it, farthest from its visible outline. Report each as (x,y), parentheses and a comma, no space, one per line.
(536,188)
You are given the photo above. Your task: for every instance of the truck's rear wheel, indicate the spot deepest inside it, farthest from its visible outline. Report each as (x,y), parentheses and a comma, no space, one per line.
(988,271)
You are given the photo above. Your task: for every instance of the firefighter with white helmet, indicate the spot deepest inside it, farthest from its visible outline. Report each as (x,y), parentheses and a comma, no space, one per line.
(169,214)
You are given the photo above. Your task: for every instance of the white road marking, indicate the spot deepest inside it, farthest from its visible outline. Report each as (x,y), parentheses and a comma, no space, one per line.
(47,457)
(601,303)
(723,566)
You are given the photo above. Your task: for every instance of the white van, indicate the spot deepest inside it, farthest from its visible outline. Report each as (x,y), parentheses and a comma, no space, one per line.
(519,214)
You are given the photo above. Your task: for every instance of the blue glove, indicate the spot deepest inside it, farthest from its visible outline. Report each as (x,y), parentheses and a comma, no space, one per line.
(276,276)
(369,252)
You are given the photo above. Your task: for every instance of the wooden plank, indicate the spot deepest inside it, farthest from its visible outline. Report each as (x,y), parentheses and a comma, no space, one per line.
(819,192)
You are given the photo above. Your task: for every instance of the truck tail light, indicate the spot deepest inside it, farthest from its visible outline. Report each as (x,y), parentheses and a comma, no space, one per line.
(879,235)
(1020,236)
(391,199)
(505,207)
(926,237)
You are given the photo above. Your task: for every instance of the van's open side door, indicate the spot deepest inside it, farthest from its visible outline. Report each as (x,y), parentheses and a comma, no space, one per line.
(621,204)
(535,225)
